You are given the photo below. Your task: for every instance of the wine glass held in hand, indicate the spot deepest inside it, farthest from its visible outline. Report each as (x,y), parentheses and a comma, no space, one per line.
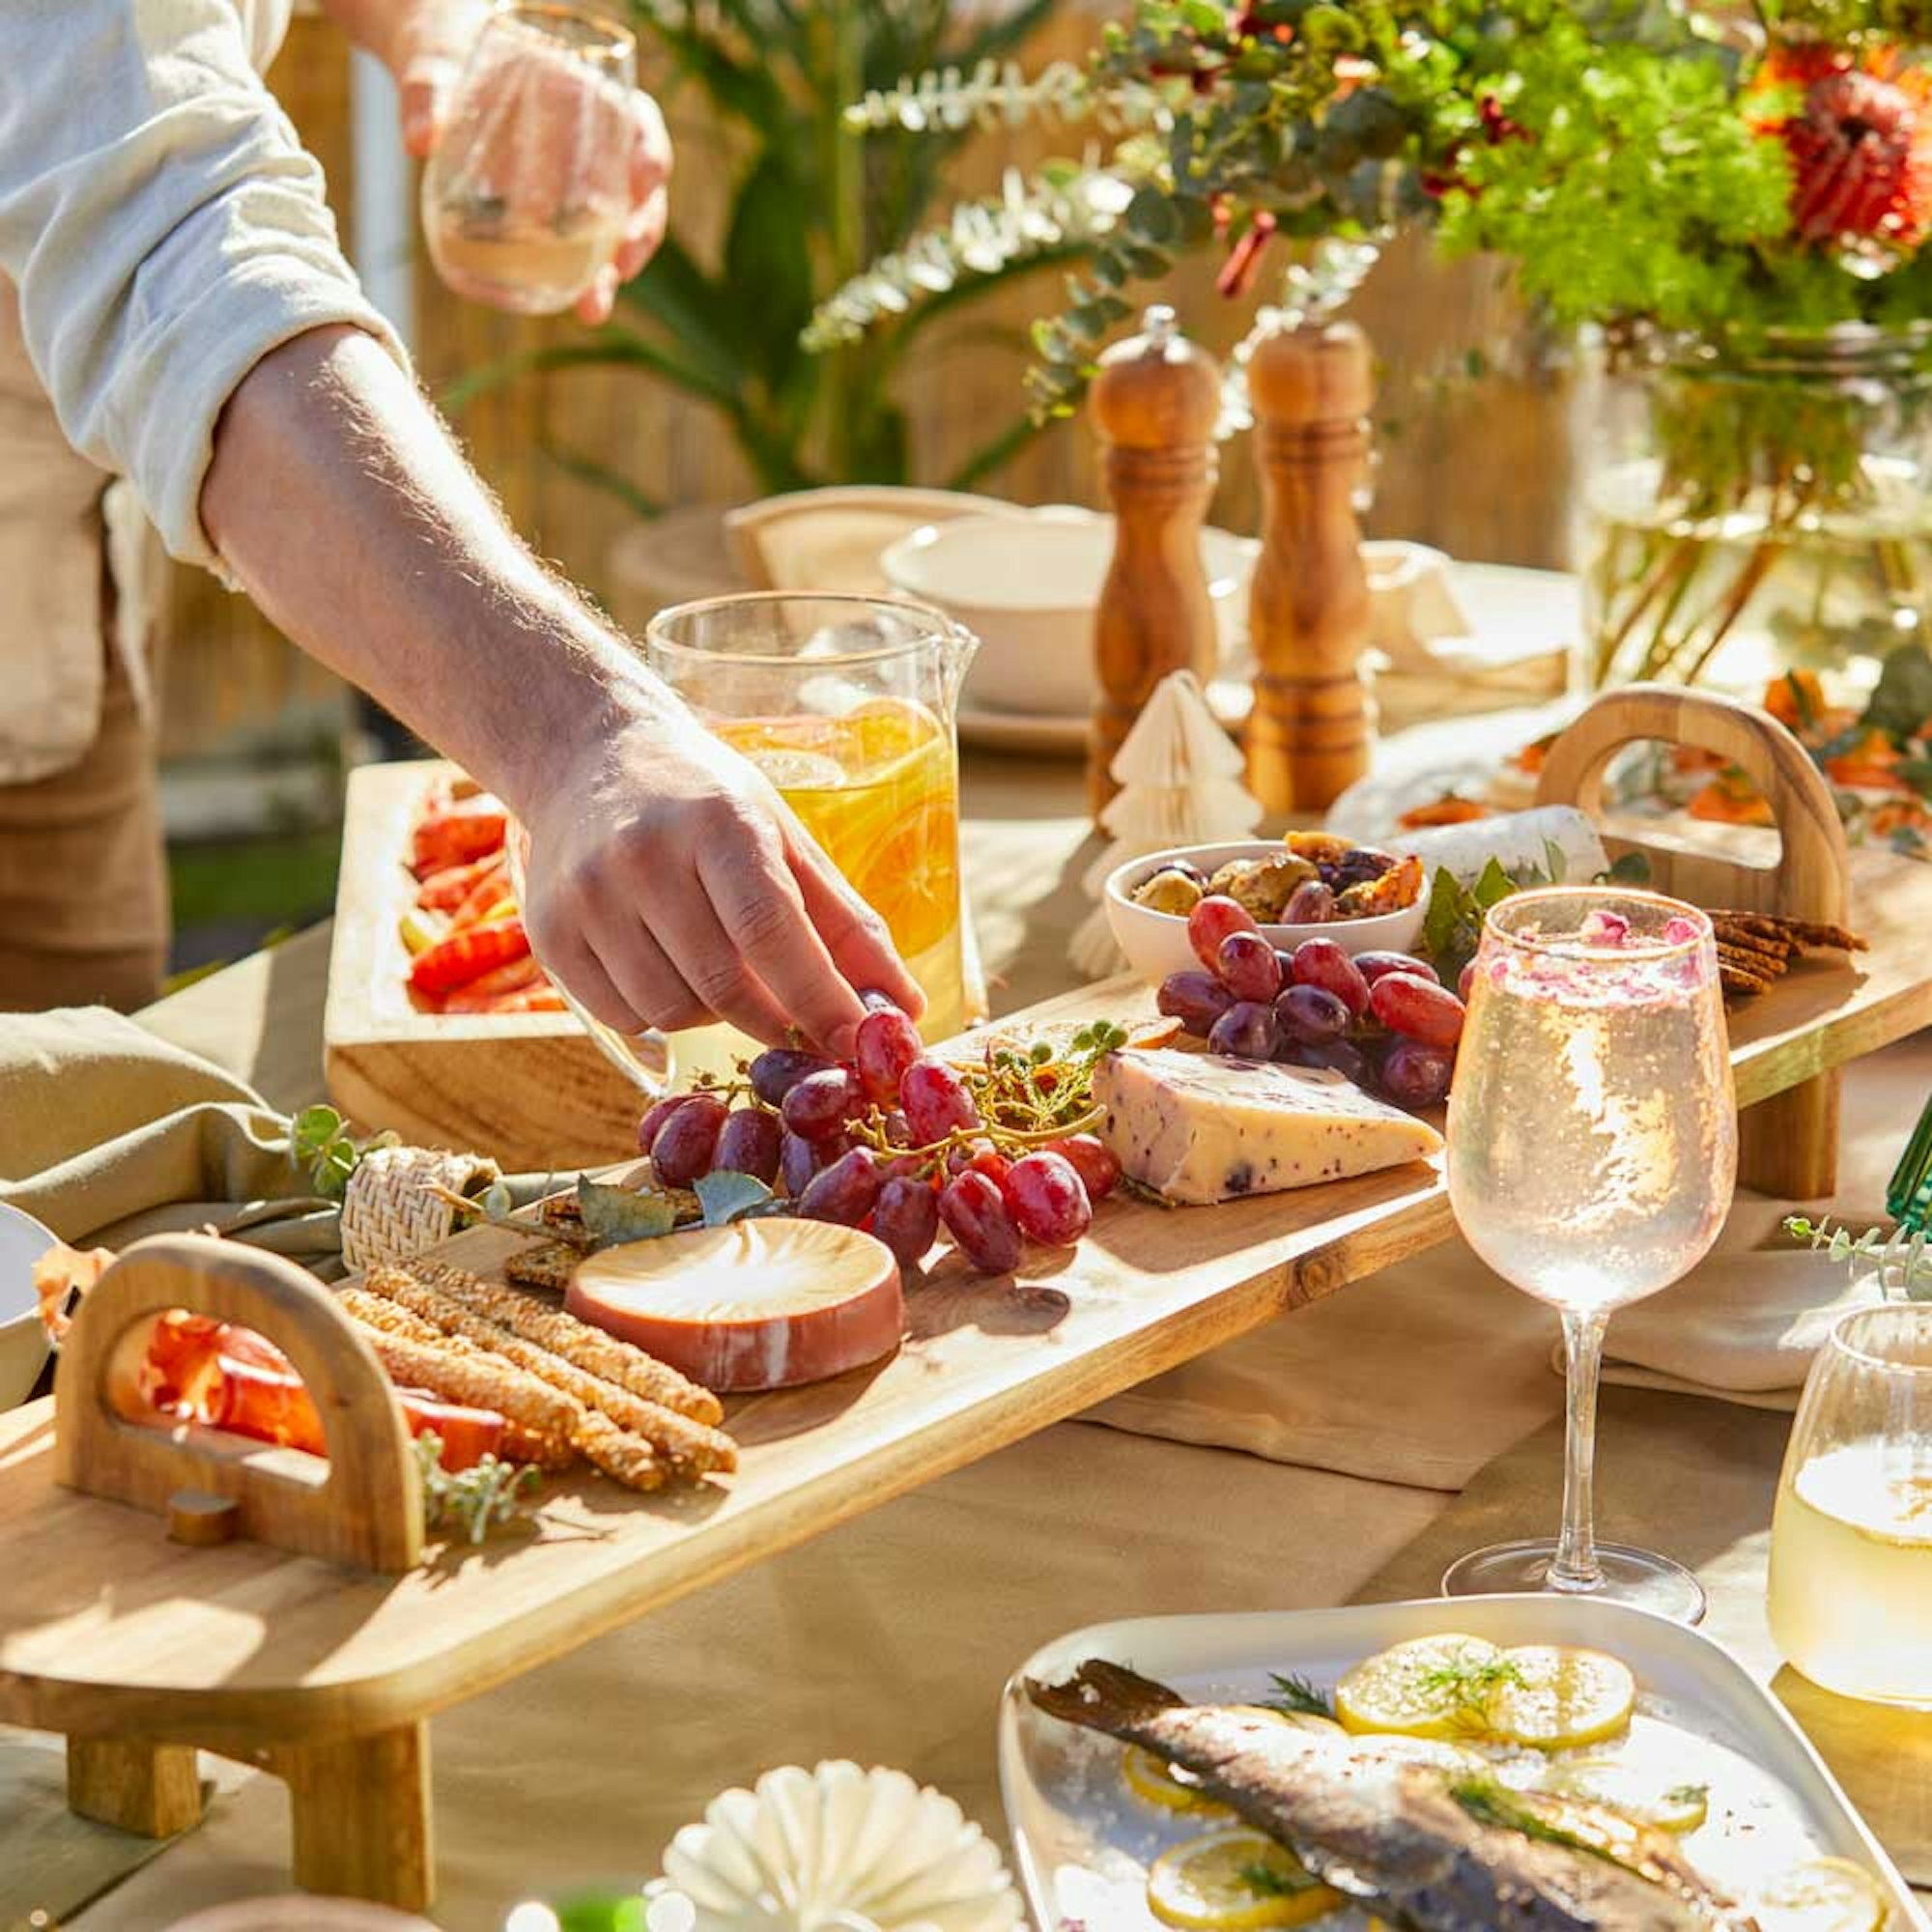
(531,193)
(1592,1155)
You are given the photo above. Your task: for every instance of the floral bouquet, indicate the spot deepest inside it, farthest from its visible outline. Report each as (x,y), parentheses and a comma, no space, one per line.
(1735,201)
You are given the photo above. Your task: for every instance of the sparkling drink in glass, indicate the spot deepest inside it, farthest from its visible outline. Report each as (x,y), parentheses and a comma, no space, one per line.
(1592,1157)
(1851,1536)
(526,196)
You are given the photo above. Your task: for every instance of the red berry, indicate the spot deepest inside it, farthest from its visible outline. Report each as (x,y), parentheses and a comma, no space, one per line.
(886,1046)
(780,1068)
(749,1143)
(1212,920)
(1048,1199)
(1311,903)
(1373,965)
(1407,1004)
(976,1217)
(1196,999)
(1092,1160)
(843,1192)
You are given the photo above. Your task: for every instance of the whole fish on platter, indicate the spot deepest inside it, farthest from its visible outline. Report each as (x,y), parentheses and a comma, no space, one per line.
(1404,1828)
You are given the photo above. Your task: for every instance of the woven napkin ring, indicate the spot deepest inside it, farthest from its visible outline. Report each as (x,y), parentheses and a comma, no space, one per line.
(388,1213)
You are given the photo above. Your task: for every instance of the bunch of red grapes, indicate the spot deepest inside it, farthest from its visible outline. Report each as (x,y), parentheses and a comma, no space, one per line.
(1382,1018)
(889,1141)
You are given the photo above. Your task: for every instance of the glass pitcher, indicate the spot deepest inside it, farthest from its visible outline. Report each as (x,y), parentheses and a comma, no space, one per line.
(1851,1536)
(846,705)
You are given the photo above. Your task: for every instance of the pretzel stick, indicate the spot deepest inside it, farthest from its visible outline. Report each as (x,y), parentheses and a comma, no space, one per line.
(690,1448)
(575,1340)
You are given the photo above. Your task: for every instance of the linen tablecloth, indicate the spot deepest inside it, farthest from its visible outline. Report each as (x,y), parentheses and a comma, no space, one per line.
(888,1640)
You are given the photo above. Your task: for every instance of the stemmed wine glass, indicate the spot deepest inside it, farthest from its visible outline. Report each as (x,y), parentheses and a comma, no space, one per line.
(1592,1157)
(524,199)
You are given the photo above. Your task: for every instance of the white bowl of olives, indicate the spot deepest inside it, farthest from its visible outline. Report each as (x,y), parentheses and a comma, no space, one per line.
(1310,885)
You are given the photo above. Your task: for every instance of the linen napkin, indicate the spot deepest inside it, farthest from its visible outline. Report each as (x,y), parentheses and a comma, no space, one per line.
(1428,1371)
(108,1133)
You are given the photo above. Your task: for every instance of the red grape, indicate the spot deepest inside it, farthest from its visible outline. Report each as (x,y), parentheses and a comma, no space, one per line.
(1416,1075)
(1211,921)
(1092,1161)
(1311,903)
(886,1046)
(1321,962)
(1196,999)
(1248,967)
(990,1162)
(654,1120)
(780,1068)
(875,1001)
(1371,966)
(906,1218)
(749,1144)
(898,1132)
(823,1102)
(843,1192)
(1246,1031)
(686,1143)
(1049,1199)
(1313,1015)
(798,1162)
(1338,1056)
(1464,981)
(1405,1002)
(936,1101)
(977,1216)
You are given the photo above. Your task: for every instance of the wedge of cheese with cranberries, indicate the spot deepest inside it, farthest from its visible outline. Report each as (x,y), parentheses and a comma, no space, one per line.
(1196,1128)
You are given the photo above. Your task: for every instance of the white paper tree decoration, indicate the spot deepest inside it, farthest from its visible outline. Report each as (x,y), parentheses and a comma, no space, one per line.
(1179,776)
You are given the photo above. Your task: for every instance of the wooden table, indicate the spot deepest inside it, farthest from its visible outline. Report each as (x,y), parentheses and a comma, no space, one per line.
(366,1668)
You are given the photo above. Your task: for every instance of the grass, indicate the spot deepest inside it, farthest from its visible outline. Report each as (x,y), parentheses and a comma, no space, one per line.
(232,896)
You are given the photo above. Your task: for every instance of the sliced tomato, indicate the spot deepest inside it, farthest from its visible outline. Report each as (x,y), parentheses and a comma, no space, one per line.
(445,889)
(464,955)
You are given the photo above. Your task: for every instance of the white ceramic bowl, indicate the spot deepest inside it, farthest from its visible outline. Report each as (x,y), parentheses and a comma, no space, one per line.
(1156,944)
(1027,587)
(23,1341)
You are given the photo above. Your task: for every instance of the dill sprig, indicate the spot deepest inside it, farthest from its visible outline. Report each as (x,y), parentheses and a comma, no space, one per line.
(1469,1688)
(1491,1804)
(1270,1883)
(1298,1697)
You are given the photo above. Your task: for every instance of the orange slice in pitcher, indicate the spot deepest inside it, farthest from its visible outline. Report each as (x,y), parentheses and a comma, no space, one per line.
(911,876)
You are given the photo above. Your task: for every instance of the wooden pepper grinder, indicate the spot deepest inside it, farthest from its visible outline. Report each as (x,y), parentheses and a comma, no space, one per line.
(1156,402)
(1308,735)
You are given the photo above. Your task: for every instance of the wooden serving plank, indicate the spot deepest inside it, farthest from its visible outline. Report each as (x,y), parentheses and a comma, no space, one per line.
(531,1090)
(237,1646)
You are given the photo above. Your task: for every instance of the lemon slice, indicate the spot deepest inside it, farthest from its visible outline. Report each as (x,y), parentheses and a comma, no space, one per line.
(1820,1896)
(1623,1789)
(1555,1698)
(1229,1881)
(792,770)
(1431,1687)
(1146,1776)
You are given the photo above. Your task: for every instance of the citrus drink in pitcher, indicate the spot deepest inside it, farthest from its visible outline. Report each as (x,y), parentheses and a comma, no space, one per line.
(879,790)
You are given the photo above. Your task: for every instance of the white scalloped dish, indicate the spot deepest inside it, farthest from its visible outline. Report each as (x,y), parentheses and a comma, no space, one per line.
(1084,1840)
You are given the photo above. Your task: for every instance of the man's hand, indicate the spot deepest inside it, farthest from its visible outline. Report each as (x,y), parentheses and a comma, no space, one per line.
(669,884)
(426,43)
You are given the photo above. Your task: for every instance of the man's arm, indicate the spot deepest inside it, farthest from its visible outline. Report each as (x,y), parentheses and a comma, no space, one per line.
(668,881)
(191,317)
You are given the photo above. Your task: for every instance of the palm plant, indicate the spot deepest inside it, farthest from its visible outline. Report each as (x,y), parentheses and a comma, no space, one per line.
(810,207)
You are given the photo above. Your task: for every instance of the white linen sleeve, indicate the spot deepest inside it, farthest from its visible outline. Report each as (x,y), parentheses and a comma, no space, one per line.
(165,230)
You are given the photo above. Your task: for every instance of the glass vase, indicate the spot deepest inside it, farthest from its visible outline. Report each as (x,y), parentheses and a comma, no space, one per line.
(1748,512)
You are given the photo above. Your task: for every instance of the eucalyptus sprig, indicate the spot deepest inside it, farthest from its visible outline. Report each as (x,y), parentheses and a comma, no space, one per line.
(1902,1258)
(319,1140)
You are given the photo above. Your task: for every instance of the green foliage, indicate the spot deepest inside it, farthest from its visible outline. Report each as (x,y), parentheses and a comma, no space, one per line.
(1903,1259)
(1617,152)
(472,1500)
(318,1139)
(810,207)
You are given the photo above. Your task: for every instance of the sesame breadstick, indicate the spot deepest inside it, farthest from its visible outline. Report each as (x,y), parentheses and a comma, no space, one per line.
(690,1448)
(576,1340)
(477,1381)
(373,1311)
(625,1458)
